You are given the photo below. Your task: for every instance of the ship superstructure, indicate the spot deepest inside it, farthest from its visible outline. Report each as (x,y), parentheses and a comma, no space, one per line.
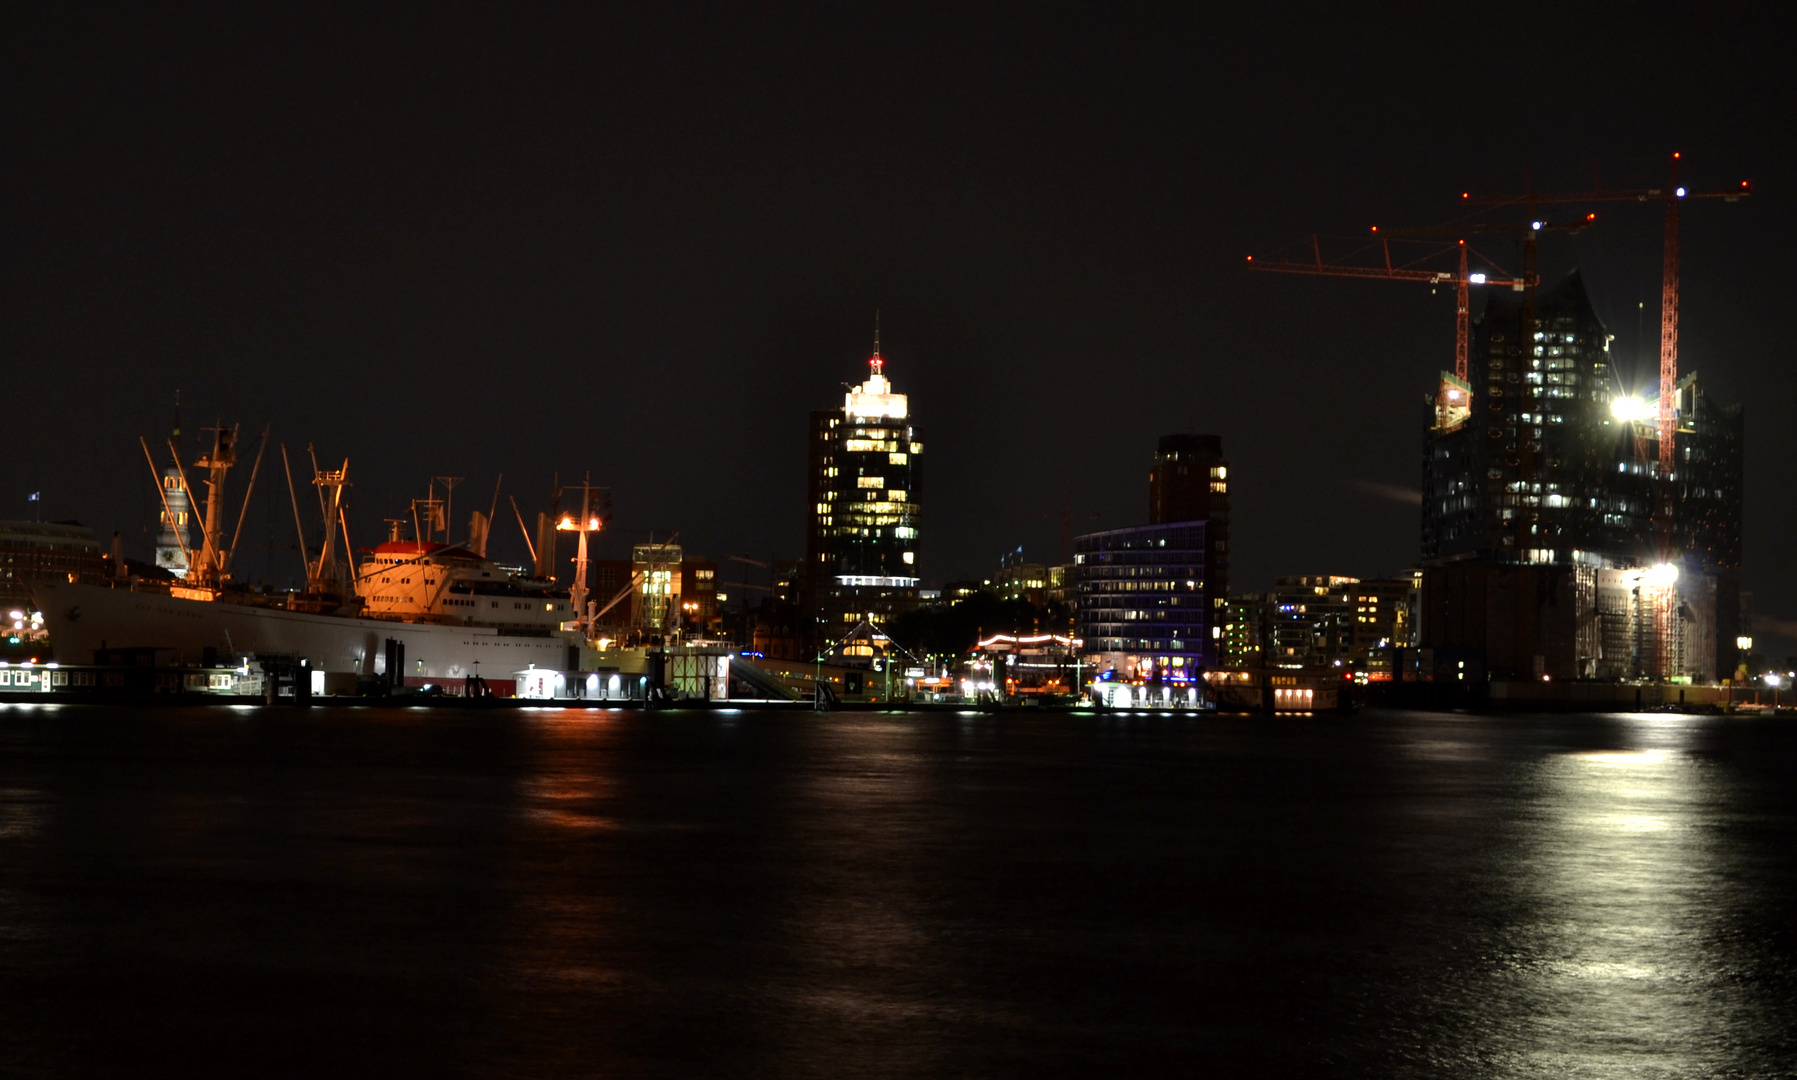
(425,581)
(449,611)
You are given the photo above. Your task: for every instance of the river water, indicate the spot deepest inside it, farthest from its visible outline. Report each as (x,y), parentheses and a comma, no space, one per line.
(542,893)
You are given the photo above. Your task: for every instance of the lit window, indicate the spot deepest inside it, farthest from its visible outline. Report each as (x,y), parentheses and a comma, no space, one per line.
(871,481)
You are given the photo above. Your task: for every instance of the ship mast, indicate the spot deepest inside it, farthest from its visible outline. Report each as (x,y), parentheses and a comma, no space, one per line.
(588,522)
(207,571)
(330,484)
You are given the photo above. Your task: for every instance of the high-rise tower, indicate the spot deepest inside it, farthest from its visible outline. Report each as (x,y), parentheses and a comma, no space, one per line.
(863,541)
(1542,548)
(1190,482)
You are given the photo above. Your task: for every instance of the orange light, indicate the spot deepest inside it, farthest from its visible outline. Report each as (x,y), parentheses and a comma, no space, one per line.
(1375,228)
(1676,154)
(1251,258)
(1466,195)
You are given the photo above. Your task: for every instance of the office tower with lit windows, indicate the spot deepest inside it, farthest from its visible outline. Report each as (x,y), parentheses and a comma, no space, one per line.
(1190,482)
(863,541)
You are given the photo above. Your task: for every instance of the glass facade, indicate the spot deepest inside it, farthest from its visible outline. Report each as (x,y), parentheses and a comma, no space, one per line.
(1142,590)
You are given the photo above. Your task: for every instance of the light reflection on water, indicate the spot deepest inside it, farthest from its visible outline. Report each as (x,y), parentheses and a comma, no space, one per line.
(553,892)
(1614,944)
(1617,966)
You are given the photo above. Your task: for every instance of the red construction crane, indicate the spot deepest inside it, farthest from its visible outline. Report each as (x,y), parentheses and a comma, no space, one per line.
(1669,280)
(1674,194)
(1399,273)
(1408,272)
(1526,284)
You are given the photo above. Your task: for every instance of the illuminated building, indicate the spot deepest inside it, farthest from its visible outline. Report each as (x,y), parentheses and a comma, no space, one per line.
(1244,638)
(1139,596)
(1038,583)
(1539,530)
(1031,667)
(174,541)
(1320,620)
(36,549)
(1190,482)
(863,538)
(666,590)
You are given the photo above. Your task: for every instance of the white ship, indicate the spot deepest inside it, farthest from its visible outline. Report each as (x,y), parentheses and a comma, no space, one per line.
(452,612)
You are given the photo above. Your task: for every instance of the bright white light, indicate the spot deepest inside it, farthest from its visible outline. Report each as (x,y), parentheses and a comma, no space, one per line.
(1681,193)
(1661,575)
(1537,225)
(1628,409)
(1774,681)
(1476,279)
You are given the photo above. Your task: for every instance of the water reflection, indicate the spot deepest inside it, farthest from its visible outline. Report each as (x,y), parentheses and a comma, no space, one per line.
(554,892)
(1624,886)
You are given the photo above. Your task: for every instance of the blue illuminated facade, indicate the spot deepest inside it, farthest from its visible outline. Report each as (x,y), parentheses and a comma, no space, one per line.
(1141,591)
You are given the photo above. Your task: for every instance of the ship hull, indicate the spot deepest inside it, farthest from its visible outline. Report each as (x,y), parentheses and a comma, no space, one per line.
(84,618)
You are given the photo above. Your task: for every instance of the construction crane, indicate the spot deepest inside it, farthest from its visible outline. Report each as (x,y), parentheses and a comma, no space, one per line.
(1408,272)
(1667,414)
(1447,405)
(1673,194)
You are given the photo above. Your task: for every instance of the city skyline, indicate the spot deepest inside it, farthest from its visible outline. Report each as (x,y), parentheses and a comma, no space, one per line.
(1060,292)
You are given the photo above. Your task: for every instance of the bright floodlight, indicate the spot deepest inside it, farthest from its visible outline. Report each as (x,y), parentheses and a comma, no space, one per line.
(1629,409)
(1662,574)
(1681,193)
(1773,681)
(1476,279)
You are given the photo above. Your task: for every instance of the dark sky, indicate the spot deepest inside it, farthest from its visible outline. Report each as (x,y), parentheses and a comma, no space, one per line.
(643,243)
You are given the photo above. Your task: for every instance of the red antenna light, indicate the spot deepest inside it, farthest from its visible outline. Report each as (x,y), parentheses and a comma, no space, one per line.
(878,365)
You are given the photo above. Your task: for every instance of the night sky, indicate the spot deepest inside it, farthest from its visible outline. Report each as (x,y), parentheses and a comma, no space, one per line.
(643,244)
